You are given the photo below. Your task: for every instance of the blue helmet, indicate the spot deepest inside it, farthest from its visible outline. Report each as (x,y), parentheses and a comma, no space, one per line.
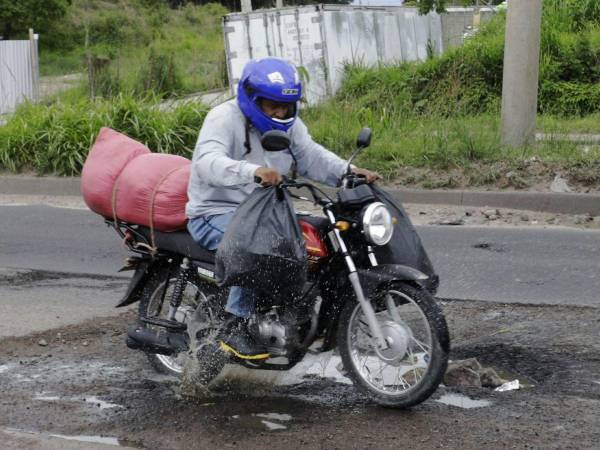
(274,79)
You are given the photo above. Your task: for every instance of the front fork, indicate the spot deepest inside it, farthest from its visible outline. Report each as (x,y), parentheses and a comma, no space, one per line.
(358,290)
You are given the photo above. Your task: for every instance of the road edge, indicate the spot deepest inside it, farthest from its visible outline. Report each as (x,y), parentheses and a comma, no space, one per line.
(551,202)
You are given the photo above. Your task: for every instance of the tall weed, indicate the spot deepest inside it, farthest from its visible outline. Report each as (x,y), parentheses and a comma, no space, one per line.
(56,139)
(468,80)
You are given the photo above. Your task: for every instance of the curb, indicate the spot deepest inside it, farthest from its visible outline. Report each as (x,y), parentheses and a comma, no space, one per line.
(532,201)
(550,202)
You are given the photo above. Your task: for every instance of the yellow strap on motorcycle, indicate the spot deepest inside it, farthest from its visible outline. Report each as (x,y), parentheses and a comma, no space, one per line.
(229,349)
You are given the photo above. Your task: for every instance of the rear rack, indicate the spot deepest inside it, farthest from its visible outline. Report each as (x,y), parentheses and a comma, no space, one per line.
(132,238)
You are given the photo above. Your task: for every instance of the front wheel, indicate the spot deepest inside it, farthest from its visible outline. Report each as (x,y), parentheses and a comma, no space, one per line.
(412,366)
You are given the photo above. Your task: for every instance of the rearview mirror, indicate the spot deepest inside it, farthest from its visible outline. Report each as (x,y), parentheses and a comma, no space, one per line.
(275,141)
(364,138)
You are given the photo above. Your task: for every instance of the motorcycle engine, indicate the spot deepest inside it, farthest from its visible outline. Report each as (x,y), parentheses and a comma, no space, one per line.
(276,331)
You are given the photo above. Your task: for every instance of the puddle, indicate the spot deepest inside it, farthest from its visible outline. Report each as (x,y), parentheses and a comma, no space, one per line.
(93,439)
(5,367)
(80,438)
(271,426)
(259,420)
(46,398)
(322,365)
(93,400)
(274,416)
(508,375)
(102,404)
(462,401)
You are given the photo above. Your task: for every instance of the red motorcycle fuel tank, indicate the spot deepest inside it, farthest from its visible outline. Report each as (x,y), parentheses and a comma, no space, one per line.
(315,247)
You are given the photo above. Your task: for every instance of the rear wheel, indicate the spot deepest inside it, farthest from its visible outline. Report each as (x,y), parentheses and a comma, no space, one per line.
(154,302)
(410,369)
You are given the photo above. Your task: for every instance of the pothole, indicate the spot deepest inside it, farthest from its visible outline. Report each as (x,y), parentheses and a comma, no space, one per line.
(530,365)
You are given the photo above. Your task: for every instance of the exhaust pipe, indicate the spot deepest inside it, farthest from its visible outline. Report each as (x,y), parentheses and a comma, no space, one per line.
(157,341)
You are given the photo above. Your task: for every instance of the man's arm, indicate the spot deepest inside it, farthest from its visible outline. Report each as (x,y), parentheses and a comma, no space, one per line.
(212,160)
(318,163)
(314,160)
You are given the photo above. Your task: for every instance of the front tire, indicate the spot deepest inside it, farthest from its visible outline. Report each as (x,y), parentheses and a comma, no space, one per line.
(413,365)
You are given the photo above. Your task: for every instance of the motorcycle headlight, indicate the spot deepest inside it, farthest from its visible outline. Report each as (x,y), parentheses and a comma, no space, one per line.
(377,224)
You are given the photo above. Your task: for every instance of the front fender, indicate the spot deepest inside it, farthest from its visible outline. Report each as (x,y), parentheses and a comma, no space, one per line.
(373,277)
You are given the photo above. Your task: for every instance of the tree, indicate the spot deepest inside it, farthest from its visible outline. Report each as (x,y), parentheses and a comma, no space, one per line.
(17,16)
(439,6)
(426,6)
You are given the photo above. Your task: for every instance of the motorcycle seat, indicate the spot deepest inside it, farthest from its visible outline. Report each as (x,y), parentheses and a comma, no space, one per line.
(179,242)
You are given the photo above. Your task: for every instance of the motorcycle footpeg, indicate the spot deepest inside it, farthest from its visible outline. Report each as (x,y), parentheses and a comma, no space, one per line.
(155,341)
(172,325)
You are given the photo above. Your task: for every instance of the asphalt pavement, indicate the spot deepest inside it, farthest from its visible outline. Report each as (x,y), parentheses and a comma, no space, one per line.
(69,382)
(514,265)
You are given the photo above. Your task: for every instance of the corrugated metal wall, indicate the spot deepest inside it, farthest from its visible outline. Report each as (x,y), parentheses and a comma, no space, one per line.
(323,38)
(16,74)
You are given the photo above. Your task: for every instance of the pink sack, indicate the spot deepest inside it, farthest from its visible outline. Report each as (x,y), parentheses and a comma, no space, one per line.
(152,191)
(122,178)
(107,158)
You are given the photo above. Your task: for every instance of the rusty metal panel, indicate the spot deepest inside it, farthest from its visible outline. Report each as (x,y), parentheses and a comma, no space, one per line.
(16,76)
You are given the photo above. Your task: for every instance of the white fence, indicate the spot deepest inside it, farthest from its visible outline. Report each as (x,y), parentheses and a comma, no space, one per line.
(19,76)
(322,38)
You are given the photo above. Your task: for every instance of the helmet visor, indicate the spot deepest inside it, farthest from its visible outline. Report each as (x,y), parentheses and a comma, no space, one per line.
(280,112)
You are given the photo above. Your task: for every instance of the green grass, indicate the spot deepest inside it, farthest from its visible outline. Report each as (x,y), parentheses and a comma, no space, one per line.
(53,63)
(440,143)
(163,51)
(55,139)
(442,115)
(436,124)
(589,124)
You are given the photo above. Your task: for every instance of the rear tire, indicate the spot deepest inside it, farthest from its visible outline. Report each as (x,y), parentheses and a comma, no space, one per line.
(360,357)
(150,306)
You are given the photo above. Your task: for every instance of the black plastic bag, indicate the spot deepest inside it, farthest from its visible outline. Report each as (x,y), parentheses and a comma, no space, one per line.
(263,248)
(405,247)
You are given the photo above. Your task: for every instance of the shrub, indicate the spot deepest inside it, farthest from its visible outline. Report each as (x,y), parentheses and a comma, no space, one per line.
(468,80)
(159,75)
(55,139)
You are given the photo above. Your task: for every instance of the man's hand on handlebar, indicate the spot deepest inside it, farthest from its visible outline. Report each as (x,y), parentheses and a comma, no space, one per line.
(267,176)
(369,175)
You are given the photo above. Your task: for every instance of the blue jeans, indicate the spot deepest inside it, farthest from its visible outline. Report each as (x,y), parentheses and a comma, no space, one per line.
(208,232)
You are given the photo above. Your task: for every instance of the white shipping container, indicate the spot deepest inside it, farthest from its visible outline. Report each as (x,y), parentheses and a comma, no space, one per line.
(323,38)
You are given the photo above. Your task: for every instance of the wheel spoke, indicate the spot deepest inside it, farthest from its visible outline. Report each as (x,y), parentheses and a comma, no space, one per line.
(382,371)
(426,348)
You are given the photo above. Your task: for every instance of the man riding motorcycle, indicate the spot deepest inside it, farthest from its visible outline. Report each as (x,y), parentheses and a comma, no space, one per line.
(229,157)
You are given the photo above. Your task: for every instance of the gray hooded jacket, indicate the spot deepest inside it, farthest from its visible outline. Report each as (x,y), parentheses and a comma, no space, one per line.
(223,174)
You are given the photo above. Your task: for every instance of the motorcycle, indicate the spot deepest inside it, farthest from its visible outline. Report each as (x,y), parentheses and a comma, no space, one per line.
(382,318)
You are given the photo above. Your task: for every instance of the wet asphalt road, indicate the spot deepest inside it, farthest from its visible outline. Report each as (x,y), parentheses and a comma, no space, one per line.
(532,265)
(86,384)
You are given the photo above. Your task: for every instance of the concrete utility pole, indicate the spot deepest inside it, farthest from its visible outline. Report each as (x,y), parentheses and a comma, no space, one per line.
(521,72)
(246,6)
(35,65)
